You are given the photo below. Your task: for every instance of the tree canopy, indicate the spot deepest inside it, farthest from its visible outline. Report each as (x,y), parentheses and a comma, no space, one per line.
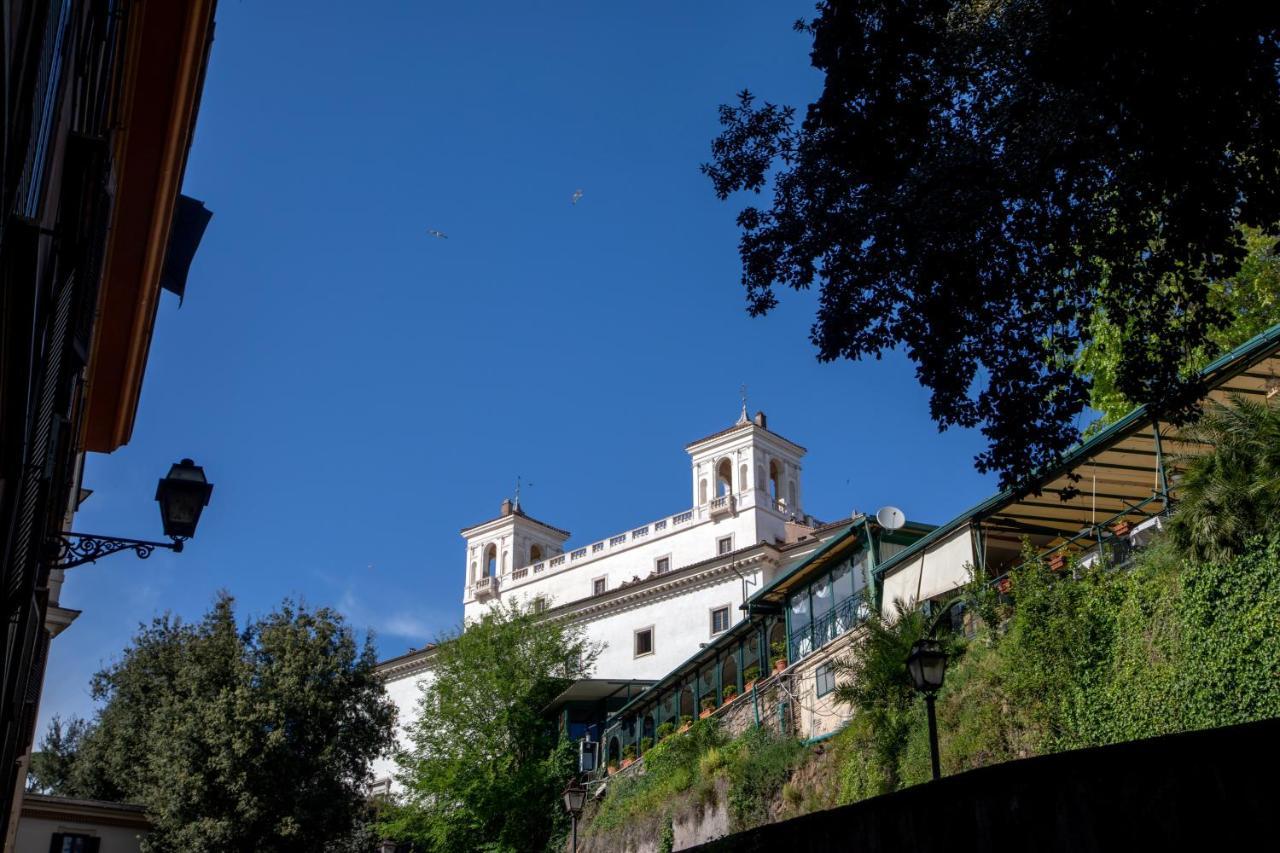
(255,739)
(485,769)
(978,178)
(53,764)
(1250,300)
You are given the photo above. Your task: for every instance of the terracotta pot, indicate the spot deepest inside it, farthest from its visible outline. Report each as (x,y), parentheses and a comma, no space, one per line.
(627,762)
(780,664)
(746,688)
(611,769)
(706,712)
(1122,528)
(729,697)
(1058,562)
(682,729)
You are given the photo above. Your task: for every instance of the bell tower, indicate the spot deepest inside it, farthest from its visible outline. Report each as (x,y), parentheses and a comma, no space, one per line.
(747,466)
(499,546)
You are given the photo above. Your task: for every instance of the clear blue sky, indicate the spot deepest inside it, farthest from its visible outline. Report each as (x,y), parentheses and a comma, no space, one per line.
(359,391)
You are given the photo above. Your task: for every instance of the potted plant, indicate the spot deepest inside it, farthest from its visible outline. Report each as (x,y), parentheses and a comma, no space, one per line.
(1122,528)
(612,768)
(628,756)
(708,705)
(685,722)
(666,730)
(749,676)
(730,693)
(779,650)
(646,744)
(1004,585)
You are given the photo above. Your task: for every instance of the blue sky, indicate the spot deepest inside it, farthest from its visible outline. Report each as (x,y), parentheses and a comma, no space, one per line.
(359,391)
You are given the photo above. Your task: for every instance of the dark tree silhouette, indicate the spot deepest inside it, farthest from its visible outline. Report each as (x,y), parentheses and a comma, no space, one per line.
(978,178)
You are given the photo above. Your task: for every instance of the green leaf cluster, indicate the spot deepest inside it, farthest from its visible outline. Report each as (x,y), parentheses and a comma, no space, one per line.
(1172,644)
(1249,301)
(240,739)
(688,771)
(484,769)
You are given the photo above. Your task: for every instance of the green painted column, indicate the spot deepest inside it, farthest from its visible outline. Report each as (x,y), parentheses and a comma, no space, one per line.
(873,589)
(740,661)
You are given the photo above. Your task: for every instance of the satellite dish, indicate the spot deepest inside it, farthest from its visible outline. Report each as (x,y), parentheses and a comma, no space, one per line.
(890,517)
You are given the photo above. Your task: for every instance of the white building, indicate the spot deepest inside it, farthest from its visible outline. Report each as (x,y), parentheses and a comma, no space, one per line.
(653,593)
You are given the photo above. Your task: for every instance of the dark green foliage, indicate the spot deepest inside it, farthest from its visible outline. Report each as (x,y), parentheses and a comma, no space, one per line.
(1233,493)
(53,765)
(672,767)
(255,739)
(760,763)
(485,770)
(977,179)
(1169,645)
(686,770)
(1250,300)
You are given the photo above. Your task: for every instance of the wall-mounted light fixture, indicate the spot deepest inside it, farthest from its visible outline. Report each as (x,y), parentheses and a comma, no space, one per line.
(182,494)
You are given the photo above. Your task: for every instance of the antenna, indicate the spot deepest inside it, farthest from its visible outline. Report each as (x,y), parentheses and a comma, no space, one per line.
(890,517)
(517,500)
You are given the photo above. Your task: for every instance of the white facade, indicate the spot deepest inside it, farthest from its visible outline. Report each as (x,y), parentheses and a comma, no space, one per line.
(737,504)
(667,577)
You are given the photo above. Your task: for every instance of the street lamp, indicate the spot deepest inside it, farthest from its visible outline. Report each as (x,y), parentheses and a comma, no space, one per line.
(927,664)
(575,797)
(182,494)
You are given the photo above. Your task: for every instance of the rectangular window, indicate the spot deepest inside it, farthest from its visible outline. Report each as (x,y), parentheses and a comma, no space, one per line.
(720,620)
(598,586)
(825,680)
(662,565)
(644,642)
(724,545)
(66,842)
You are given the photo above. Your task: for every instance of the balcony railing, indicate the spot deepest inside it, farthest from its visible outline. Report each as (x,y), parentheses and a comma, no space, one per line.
(722,505)
(843,618)
(485,587)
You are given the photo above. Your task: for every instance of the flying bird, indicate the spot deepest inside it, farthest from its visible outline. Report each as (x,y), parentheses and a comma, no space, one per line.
(577,194)
(439,235)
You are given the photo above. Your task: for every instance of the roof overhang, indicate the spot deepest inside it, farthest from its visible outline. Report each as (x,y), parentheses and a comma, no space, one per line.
(596,690)
(166,51)
(1115,475)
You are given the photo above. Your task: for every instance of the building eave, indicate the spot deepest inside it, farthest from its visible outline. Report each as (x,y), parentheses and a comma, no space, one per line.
(166,55)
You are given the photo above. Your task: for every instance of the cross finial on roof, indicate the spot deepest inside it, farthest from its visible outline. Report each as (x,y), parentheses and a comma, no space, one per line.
(742,418)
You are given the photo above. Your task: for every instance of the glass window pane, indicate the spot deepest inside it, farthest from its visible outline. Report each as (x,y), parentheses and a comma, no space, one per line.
(842,583)
(822,602)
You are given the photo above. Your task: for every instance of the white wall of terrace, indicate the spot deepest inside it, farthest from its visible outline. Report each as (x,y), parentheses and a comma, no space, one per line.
(697,534)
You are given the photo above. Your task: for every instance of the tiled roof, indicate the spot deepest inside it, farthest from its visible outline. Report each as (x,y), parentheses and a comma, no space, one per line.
(522,514)
(738,426)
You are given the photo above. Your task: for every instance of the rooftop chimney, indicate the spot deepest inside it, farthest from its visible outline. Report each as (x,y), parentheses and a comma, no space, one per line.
(506,506)
(761,420)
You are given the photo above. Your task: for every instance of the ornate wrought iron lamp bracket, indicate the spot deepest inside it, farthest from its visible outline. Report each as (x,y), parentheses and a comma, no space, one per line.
(76,549)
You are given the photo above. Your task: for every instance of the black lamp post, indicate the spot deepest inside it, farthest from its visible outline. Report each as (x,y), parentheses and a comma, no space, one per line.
(182,494)
(575,797)
(927,665)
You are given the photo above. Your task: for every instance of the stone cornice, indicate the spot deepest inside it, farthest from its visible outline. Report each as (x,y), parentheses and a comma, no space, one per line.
(406,665)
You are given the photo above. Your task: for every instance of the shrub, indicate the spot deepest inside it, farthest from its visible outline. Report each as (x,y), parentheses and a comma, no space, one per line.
(646,744)
(629,752)
(665,731)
